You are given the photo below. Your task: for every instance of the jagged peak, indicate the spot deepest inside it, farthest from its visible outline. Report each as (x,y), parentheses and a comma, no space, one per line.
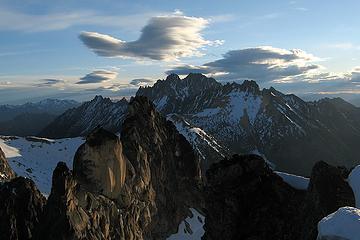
(173,77)
(251,85)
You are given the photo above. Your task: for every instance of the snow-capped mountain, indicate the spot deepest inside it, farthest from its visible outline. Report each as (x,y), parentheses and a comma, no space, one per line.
(222,119)
(290,132)
(83,119)
(49,106)
(31,118)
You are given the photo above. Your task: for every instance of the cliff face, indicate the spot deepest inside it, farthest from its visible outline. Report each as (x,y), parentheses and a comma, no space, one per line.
(139,188)
(245,199)
(164,172)
(99,164)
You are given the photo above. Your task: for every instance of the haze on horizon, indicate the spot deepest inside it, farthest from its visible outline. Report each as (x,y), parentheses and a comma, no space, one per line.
(78,49)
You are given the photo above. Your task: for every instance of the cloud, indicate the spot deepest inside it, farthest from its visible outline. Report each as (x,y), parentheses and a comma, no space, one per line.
(98,76)
(50,82)
(263,64)
(141,82)
(166,37)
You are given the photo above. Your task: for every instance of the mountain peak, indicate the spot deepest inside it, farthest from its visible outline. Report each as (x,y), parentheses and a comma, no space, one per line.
(173,77)
(251,85)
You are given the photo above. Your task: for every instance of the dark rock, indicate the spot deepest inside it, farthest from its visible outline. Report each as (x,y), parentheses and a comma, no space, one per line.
(21,206)
(328,191)
(244,199)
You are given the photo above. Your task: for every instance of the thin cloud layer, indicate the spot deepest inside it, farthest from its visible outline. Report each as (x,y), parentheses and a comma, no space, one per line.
(263,64)
(18,21)
(49,82)
(166,38)
(99,76)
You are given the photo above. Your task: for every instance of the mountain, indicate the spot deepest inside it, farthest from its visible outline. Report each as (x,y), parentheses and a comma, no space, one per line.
(82,120)
(222,119)
(49,106)
(291,133)
(31,118)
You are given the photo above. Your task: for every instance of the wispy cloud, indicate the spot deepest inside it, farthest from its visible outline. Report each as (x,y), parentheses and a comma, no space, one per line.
(17,21)
(166,37)
(343,46)
(50,82)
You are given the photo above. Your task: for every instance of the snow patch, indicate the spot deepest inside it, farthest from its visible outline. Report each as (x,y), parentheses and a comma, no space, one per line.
(192,228)
(295,181)
(160,103)
(342,224)
(36,158)
(354,182)
(239,102)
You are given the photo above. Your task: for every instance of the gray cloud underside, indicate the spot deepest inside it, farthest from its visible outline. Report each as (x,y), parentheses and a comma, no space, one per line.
(262,64)
(49,82)
(141,81)
(99,76)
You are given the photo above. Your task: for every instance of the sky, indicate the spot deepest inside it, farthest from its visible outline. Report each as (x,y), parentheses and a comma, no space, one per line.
(78,49)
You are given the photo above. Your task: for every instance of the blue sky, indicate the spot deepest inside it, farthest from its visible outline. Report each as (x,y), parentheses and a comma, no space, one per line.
(77,49)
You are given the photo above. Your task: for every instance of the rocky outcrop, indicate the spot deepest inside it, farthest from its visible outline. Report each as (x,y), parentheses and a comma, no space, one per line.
(99,164)
(21,206)
(328,191)
(73,213)
(6,173)
(138,188)
(244,199)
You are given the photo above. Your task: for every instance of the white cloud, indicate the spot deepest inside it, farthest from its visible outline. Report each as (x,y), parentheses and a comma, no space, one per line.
(166,37)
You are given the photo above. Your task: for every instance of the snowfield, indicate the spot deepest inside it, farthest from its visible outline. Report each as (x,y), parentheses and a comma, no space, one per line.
(191,228)
(36,158)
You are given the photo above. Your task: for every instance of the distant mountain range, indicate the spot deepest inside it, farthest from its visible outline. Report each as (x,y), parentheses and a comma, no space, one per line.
(31,118)
(222,119)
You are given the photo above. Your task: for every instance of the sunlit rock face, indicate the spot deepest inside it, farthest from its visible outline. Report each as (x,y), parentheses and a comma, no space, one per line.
(6,173)
(99,164)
